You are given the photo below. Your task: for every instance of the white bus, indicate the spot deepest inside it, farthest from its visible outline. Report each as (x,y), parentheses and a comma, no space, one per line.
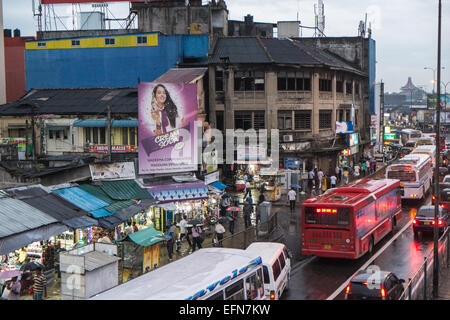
(426,149)
(206,274)
(410,135)
(415,173)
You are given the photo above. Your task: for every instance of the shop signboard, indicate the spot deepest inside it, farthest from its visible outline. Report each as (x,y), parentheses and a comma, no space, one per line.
(167,115)
(212,177)
(345,152)
(344,127)
(390,136)
(103,148)
(353,139)
(292,163)
(112,171)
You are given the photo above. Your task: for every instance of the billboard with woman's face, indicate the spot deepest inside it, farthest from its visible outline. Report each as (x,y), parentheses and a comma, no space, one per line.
(167,135)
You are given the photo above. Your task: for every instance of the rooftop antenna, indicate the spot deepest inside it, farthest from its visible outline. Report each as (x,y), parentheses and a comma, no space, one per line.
(319,11)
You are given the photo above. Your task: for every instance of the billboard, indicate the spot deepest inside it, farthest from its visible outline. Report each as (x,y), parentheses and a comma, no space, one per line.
(344,127)
(112,171)
(167,115)
(353,139)
(85,1)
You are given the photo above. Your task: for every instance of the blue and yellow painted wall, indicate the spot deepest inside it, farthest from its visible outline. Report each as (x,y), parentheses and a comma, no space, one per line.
(108,61)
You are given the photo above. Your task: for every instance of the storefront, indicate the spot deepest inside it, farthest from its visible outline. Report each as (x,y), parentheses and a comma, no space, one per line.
(177,200)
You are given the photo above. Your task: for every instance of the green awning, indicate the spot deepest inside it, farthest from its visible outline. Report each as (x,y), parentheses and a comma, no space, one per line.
(113,204)
(125,190)
(146,237)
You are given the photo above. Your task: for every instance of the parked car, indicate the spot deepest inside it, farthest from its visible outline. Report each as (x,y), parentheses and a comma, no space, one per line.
(374,285)
(424,220)
(411,144)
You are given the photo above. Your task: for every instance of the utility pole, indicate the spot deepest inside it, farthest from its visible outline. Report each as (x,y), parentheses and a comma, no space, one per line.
(108,133)
(436,169)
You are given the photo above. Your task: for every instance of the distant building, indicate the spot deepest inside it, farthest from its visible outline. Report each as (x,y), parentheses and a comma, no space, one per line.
(2,60)
(250,28)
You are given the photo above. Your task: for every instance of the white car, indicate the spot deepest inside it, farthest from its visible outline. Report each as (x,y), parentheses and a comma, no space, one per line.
(446,179)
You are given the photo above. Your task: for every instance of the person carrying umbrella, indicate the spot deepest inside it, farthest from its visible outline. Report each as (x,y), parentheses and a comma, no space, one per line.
(14,287)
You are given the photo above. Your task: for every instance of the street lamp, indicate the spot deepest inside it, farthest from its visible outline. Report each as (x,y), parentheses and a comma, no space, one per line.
(434,75)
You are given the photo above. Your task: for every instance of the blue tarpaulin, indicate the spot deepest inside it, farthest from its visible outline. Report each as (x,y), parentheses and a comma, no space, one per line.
(218,185)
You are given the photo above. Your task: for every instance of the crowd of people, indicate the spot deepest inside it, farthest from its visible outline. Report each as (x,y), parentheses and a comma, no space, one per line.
(319,182)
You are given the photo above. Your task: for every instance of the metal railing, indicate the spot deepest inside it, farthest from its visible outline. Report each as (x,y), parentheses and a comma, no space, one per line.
(420,286)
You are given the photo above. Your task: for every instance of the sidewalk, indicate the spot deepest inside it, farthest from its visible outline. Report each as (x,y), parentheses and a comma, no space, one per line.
(444,286)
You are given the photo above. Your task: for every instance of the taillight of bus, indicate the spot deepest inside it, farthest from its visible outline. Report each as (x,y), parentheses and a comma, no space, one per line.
(326,210)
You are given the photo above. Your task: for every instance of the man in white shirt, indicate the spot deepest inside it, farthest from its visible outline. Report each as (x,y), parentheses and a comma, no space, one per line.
(320,176)
(310,180)
(356,171)
(247,190)
(333,181)
(183,230)
(291,197)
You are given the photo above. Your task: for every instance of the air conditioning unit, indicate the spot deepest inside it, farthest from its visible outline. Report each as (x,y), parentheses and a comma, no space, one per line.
(288,138)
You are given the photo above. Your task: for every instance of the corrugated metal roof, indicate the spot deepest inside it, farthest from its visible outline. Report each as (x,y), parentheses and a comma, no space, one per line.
(17,216)
(95,259)
(124,190)
(239,50)
(52,206)
(99,193)
(183,75)
(84,200)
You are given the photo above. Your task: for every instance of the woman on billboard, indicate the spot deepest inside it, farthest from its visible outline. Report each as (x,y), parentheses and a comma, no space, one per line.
(164,112)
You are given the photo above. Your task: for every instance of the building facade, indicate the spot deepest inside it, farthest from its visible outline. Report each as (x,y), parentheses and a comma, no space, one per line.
(107,61)
(263,83)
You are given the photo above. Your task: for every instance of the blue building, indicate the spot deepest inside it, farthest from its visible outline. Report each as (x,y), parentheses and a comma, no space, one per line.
(109,61)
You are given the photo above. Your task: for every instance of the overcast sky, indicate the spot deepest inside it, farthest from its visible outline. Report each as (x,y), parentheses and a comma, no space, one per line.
(405,30)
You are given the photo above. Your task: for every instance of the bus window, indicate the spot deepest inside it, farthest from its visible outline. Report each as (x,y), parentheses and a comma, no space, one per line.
(253,286)
(404,176)
(365,219)
(216,296)
(235,291)
(276,270)
(316,216)
(266,275)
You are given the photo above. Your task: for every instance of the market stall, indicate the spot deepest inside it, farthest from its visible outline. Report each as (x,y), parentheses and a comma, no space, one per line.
(271,181)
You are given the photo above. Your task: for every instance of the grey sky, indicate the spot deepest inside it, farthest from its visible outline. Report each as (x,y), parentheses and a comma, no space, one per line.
(405,30)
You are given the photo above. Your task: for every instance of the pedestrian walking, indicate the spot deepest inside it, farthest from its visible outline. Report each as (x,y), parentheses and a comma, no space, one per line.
(184,230)
(39,286)
(196,237)
(14,287)
(219,230)
(337,172)
(310,180)
(316,180)
(231,223)
(248,209)
(368,166)
(292,195)
(247,189)
(320,176)
(169,242)
(346,173)
(333,181)
(363,166)
(356,170)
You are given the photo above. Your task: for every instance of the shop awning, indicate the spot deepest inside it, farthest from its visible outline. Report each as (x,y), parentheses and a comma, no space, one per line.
(84,201)
(103,123)
(146,237)
(218,185)
(171,192)
(124,190)
(52,205)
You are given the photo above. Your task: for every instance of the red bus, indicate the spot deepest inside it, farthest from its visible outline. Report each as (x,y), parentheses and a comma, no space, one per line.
(347,222)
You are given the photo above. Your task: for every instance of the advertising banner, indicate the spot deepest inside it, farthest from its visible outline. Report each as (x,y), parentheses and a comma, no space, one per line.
(292,163)
(167,129)
(103,148)
(353,139)
(85,1)
(112,171)
(344,127)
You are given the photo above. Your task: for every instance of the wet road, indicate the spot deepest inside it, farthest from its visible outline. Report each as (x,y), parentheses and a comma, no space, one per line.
(317,278)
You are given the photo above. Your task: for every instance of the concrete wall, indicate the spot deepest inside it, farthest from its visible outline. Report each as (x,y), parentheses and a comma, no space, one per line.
(62,66)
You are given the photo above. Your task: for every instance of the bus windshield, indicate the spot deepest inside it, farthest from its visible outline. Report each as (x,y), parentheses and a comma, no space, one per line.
(415,135)
(327,216)
(402,175)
